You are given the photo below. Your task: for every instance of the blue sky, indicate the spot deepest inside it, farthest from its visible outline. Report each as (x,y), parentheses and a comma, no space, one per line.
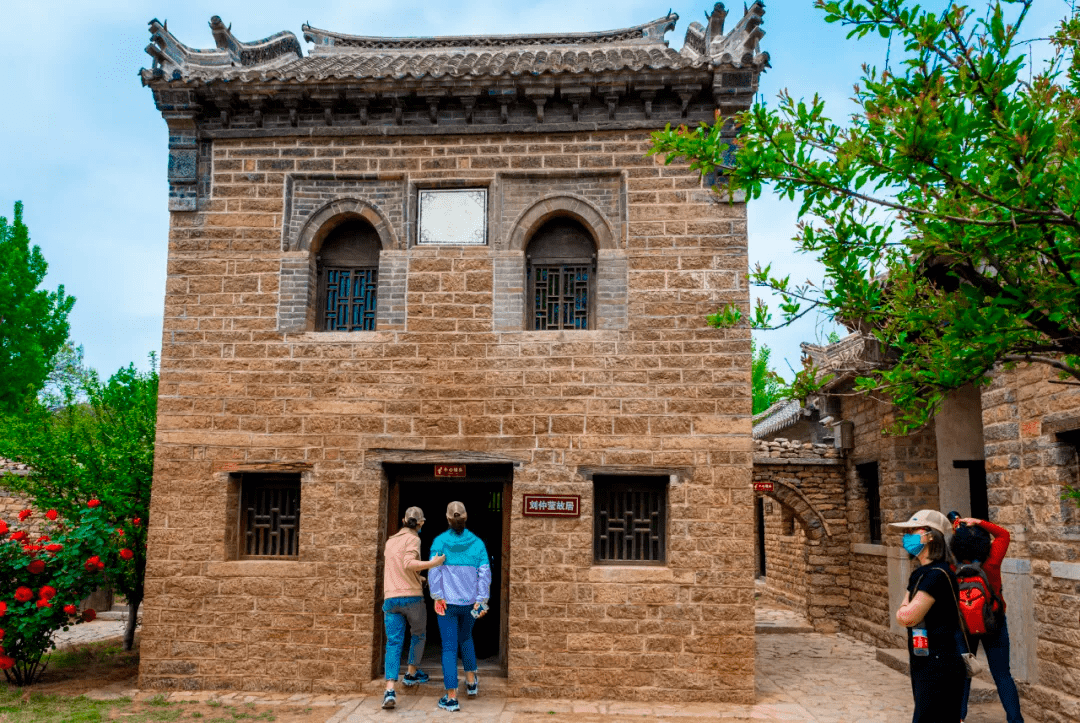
(83,147)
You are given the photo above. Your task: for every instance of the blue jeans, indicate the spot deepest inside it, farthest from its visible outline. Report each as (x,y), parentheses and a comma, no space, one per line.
(456,630)
(997,659)
(396,611)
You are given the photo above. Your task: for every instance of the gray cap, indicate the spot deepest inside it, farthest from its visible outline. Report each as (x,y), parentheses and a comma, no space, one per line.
(415,514)
(456,511)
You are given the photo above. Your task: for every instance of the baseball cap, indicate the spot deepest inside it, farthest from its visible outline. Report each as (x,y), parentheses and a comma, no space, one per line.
(456,511)
(414,513)
(926,518)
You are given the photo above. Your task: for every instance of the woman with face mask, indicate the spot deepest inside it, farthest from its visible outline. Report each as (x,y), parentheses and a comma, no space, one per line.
(930,613)
(404,602)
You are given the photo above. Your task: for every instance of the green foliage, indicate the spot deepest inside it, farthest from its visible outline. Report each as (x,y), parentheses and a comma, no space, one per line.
(101,447)
(38,708)
(946,211)
(43,580)
(768,387)
(33,322)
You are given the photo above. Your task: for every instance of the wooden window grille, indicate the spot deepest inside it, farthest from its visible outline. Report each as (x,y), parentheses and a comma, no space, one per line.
(269,516)
(561,295)
(350,298)
(631,520)
(348,269)
(561,276)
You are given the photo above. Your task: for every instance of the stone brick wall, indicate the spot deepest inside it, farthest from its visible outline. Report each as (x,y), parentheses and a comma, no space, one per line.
(1028,465)
(809,568)
(659,392)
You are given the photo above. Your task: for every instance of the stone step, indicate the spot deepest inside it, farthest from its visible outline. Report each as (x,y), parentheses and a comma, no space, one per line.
(983,689)
(118,613)
(493,682)
(782,628)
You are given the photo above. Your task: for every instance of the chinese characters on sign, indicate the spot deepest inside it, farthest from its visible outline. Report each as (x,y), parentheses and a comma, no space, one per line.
(763,486)
(449,470)
(551,506)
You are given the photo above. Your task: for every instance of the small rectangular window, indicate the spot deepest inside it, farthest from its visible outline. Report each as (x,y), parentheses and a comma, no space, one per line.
(562,296)
(453,217)
(269,515)
(350,296)
(630,519)
(868,477)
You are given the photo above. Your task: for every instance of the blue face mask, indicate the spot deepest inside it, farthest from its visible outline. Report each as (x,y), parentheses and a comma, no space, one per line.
(913,543)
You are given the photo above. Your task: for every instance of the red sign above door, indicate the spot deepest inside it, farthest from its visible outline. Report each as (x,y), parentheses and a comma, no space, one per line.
(551,506)
(763,486)
(449,470)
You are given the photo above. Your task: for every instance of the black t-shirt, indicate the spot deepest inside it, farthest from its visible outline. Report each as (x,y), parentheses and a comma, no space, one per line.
(942,621)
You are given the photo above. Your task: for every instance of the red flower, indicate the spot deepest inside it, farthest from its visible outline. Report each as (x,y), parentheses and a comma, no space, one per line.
(43,603)
(24,594)
(43,538)
(3,608)
(127,554)
(1,633)
(36,567)
(137,521)
(24,514)
(33,548)
(120,530)
(19,536)
(54,548)
(6,662)
(47,592)
(93,503)
(3,528)
(89,614)
(94,564)
(70,609)
(51,514)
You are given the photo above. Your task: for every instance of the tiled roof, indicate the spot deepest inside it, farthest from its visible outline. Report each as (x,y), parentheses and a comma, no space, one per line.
(779,416)
(337,56)
(460,63)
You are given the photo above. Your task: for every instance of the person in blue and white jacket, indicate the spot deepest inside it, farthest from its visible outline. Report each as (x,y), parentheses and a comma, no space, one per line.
(460,589)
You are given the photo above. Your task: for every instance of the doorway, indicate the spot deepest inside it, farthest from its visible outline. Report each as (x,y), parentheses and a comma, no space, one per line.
(485,490)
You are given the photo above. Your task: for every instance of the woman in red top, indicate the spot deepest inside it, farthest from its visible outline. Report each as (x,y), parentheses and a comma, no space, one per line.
(971,542)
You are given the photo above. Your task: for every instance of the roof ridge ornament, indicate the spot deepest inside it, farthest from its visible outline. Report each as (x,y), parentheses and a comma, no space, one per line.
(173,59)
(739,48)
(650,33)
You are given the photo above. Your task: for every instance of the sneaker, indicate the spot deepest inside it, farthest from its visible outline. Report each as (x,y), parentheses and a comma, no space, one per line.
(389,699)
(420,677)
(448,703)
(474,687)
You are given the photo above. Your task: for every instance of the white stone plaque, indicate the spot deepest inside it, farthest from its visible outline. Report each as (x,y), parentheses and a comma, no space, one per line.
(453,217)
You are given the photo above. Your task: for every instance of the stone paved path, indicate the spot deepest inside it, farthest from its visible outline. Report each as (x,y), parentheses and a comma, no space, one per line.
(89,633)
(801,676)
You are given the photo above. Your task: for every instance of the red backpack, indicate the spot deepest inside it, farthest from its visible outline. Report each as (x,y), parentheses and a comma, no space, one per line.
(980,607)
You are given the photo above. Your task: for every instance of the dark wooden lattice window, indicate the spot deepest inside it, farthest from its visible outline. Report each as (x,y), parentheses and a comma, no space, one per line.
(631,519)
(348,268)
(562,276)
(269,515)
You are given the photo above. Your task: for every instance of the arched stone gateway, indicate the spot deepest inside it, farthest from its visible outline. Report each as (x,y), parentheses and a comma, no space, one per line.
(810,492)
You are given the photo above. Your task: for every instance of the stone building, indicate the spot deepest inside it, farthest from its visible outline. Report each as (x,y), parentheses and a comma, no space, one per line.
(406,271)
(1004,452)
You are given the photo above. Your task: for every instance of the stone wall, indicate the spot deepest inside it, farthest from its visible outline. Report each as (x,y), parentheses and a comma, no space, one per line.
(812,564)
(1030,458)
(663,394)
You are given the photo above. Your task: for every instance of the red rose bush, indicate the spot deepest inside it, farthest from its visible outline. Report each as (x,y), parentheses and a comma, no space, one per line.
(41,585)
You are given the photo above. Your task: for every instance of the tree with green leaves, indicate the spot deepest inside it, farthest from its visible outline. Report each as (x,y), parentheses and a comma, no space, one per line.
(767,386)
(33,321)
(946,210)
(97,444)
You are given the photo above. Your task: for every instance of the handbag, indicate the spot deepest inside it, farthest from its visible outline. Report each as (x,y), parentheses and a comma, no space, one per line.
(972,666)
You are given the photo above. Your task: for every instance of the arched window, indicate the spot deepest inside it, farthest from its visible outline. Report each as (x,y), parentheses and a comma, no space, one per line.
(561,262)
(348,271)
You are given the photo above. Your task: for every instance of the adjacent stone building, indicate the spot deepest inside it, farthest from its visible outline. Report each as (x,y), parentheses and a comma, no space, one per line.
(1004,452)
(410,270)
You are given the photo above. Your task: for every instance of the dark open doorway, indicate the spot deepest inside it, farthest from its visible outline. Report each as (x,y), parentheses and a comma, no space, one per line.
(485,491)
